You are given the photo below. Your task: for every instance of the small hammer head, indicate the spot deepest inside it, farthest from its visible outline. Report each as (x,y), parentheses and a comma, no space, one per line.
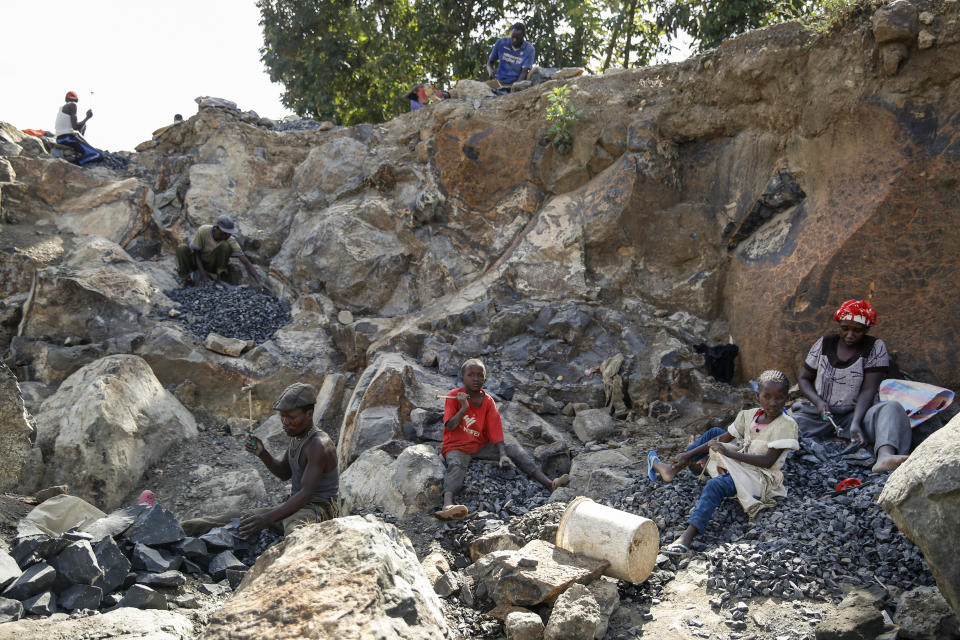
(248,387)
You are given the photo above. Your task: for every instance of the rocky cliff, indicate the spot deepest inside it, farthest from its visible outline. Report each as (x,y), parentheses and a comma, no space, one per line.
(759,184)
(738,196)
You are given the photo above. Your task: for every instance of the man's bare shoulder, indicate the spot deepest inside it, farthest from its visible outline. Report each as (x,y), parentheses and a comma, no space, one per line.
(322,444)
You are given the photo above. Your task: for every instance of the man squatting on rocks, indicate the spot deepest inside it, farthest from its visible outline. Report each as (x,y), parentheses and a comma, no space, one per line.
(472,427)
(310,463)
(514,57)
(209,255)
(69,130)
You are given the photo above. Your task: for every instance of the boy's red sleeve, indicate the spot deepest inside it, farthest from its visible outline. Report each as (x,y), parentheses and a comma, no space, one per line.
(450,406)
(494,424)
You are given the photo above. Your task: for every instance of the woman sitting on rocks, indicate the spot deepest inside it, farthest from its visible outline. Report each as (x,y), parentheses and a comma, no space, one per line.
(748,469)
(841,376)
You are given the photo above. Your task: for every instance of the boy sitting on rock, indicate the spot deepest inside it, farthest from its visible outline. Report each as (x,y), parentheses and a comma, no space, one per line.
(472,427)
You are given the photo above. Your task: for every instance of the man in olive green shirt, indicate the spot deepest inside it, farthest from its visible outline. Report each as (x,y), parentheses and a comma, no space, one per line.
(209,253)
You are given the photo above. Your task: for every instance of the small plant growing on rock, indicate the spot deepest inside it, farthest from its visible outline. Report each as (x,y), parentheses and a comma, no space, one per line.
(563,115)
(824,16)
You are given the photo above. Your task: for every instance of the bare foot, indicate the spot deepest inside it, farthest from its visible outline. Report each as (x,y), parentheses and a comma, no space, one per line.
(562,481)
(666,471)
(452,512)
(888,463)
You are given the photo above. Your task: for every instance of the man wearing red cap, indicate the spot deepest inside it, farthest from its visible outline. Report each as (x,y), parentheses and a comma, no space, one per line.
(69,130)
(208,255)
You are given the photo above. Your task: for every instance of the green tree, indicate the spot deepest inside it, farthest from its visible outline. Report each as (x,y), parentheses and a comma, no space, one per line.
(709,22)
(354,60)
(341,59)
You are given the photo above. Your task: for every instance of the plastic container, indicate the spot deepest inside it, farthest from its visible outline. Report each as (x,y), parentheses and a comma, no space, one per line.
(627,541)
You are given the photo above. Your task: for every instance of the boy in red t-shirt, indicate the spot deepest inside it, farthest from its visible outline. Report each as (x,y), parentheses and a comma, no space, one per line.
(472,427)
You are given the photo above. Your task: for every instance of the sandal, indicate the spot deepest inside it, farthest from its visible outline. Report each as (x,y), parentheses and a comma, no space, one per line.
(453,512)
(651,472)
(676,549)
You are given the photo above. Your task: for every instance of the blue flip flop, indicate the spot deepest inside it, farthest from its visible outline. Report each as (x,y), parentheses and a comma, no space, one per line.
(651,472)
(675,549)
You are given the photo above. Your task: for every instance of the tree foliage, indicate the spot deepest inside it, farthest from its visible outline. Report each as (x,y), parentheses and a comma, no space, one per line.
(709,22)
(354,60)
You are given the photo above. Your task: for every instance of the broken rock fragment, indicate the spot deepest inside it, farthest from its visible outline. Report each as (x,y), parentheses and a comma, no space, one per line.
(155,560)
(143,597)
(507,579)
(81,596)
(233,347)
(34,580)
(77,564)
(113,563)
(155,526)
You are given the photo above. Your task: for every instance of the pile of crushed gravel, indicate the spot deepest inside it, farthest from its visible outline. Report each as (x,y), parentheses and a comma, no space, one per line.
(233,312)
(114,161)
(306,124)
(806,547)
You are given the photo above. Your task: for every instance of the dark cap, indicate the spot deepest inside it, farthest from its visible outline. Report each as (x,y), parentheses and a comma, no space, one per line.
(225,224)
(295,396)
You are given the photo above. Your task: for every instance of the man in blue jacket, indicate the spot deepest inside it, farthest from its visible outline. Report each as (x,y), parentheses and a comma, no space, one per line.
(514,57)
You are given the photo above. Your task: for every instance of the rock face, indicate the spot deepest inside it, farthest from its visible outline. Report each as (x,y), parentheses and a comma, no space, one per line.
(16,430)
(348,578)
(720,197)
(923,498)
(98,293)
(105,424)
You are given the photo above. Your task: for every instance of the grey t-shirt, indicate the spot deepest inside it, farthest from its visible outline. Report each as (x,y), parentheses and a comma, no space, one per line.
(839,381)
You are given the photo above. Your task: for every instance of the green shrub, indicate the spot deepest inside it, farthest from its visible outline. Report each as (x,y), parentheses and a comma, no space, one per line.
(823,16)
(563,115)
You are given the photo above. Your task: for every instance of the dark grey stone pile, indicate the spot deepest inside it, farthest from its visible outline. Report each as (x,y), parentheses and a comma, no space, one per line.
(805,547)
(134,557)
(233,312)
(502,492)
(306,124)
(114,161)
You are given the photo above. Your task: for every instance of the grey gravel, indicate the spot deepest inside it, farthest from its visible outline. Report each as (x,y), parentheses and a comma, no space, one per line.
(232,312)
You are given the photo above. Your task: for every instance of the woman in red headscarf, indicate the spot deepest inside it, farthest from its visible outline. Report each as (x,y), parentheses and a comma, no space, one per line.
(841,375)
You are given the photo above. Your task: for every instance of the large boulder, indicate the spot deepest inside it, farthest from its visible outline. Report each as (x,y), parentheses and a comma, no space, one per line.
(403,482)
(16,430)
(351,577)
(97,294)
(105,425)
(923,498)
(391,381)
(598,473)
(219,491)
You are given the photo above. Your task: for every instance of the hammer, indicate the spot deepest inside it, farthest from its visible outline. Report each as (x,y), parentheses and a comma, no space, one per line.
(249,389)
